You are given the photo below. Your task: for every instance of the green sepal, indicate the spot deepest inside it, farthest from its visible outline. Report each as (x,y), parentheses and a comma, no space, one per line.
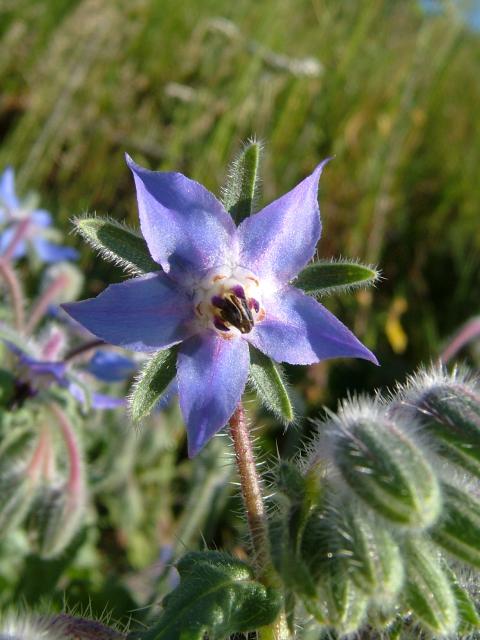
(468,615)
(152,382)
(389,471)
(217,596)
(451,413)
(458,529)
(428,590)
(117,243)
(370,555)
(268,380)
(16,496)
(326,277)
(240,191)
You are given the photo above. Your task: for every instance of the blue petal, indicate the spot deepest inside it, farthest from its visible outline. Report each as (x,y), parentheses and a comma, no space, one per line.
(109,366)
(98,400)
(299,330)
(143,314)
(212,372)
(41,218)
(278,241)
(39,368)
(50,253)
(185,226)
(7,189)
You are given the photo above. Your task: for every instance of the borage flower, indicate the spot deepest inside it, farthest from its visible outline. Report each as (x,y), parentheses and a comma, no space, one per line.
(218,289)
(40,367)
(23,225)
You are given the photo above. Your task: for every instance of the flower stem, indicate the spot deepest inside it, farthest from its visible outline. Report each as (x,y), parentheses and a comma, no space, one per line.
(18,236)
(251,490)
(16,294)
(75,485)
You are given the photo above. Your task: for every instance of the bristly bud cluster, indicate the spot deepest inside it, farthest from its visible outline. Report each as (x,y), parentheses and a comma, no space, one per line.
(368,520)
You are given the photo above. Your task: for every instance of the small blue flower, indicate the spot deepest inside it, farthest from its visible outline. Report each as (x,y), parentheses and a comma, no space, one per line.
(37,374)
(13,213)
(218,289)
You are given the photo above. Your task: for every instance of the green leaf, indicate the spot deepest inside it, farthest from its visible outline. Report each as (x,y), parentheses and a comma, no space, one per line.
(458,530)
(240,191)
(269,382)
(217,596)
(428,591)
(388,470)
(117,243)
(152,382)
(326,277)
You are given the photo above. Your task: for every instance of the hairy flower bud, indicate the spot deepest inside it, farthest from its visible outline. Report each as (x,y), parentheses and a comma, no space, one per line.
(448,407)
(381,462)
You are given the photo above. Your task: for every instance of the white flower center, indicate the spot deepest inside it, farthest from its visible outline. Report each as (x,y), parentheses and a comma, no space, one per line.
(228,300)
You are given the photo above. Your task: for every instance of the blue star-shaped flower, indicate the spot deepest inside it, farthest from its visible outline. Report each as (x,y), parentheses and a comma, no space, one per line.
(13,213)
(219,288)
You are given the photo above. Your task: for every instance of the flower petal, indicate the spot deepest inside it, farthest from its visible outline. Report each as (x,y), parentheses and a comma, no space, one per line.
(278,241)
(299,330)
(49,252)
(143,314)
(8,197)
(41,218)
(185,226)
(212,373)
(109,366)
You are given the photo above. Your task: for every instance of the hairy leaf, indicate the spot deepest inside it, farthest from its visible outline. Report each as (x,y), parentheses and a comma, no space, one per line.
(153,382)
(269,382)
(240,191)
(117,243)
(325,277)
(217,596)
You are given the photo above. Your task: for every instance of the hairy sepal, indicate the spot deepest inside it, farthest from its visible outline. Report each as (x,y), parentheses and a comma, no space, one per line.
(428,591)
(335,276)
(458,529)
(271,387)
(117,243)
(240,190)
(451,414)
(152,383)
(217,596)
(385,467)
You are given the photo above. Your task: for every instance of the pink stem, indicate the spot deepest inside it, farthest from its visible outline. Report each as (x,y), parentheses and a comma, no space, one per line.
(45,299)
(75,485)
(38,458)
(18,236)
(469,331)
(16,293)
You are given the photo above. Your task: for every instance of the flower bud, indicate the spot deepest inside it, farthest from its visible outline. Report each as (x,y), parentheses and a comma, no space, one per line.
(384,465)
(448,407)
(55,518)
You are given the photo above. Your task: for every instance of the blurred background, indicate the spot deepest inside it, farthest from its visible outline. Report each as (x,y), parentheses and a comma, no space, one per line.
(390,88)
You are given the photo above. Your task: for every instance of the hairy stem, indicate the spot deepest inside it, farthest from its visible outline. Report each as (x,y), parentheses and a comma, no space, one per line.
(75,486)
(251,489)
(16,294)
